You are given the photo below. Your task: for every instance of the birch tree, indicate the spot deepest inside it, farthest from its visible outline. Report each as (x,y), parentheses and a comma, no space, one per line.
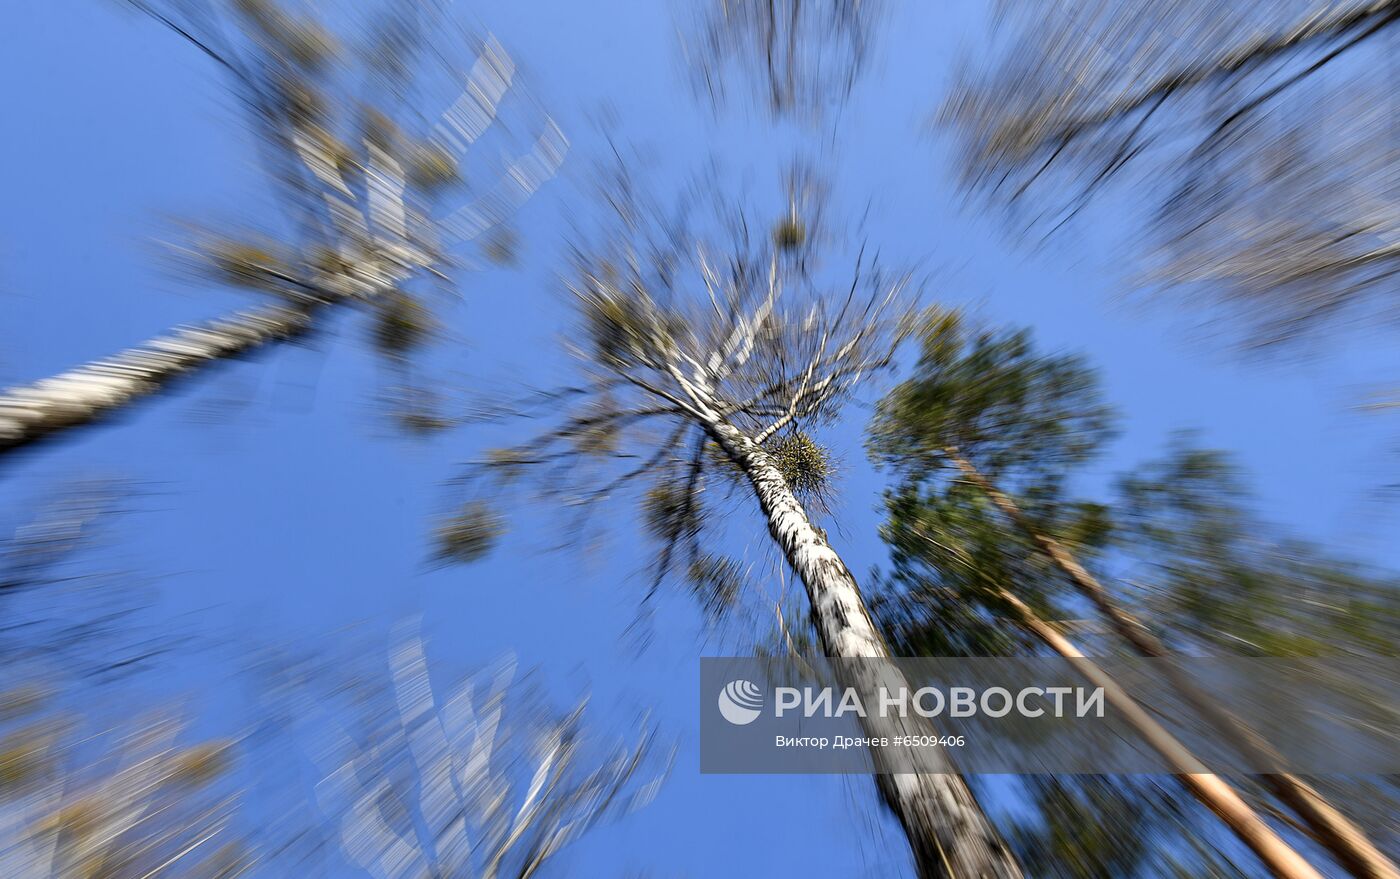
(707,363)
(133,801)
(86,791)
(364,139)
(797,58)
(1260,134)
(480,783)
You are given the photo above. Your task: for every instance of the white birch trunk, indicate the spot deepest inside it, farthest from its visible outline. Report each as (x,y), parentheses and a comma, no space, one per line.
(947,829)
(90,392)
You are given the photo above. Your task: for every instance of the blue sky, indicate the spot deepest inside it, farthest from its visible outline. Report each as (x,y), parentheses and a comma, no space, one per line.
(284,508)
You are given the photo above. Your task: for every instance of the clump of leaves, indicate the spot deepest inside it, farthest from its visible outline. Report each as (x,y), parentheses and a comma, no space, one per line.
(422,421)
(670,511)
(402,324)
(200,764)
(431,167)
(21,701)
(507,464)
(340,153)
(716,582)
(117,802)
(308,45)
(379,130)
(248,264)
(328,261)
(417,410)
(717,461)
(618,335)
(598,435)
(470,534)
(23,757)
(624,324)
(302,102)
(303,43)
(806,466)
(78,819)
(502,246)
(789,234)
(804,463)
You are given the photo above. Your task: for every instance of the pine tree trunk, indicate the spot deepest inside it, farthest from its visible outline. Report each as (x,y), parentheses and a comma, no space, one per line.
(84,395)
(950,835)
(1207,787)
(1346,841)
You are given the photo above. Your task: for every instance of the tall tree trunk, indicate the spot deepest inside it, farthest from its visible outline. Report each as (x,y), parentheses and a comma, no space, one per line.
(1207,787)
(1347,842)
(950,835)
(95,390)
